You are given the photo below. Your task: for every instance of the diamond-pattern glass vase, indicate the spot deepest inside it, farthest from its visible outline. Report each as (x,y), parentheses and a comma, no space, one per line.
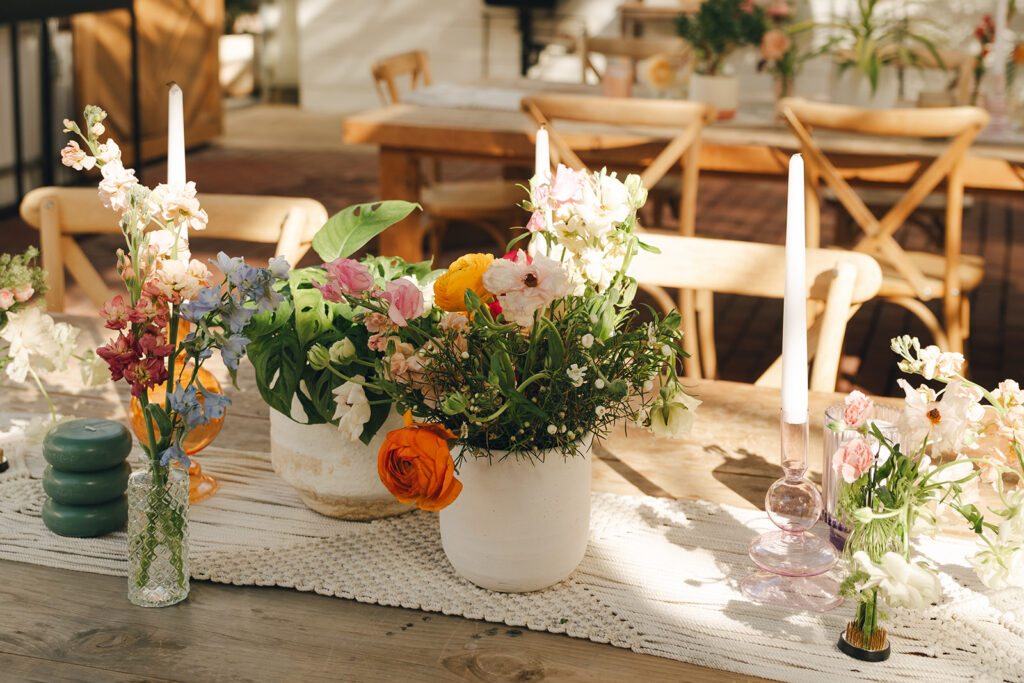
(158,536)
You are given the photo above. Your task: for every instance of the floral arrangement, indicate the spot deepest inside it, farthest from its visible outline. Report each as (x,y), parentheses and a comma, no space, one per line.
(165,286)
(292,345)
(783,53)
(718,28)
(20,280)
(951,440)
(985,34)
(522,356)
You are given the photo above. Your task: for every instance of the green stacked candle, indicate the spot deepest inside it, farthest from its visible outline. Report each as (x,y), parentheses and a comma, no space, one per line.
(86,478)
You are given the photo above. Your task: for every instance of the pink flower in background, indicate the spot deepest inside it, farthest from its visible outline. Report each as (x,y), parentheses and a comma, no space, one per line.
(351,276)
(567,186)
(378,322)
(24,292)
(775,45)
(6,299)
(857,410)
(117,180)
(75,157)
(454,322)
(853,459)
(406,301)
(778,10)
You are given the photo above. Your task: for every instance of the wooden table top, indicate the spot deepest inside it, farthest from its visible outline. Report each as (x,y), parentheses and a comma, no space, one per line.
(61,624)
(750,144)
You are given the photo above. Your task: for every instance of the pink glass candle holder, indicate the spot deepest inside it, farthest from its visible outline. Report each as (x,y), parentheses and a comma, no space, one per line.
(793,562)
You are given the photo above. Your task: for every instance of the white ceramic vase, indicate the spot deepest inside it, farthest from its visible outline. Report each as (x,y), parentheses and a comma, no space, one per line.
(851,87)
(334,476)
(721,92)
(519,525)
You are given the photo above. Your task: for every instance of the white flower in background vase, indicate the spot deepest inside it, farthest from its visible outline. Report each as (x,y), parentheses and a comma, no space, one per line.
(94,369)
(35,338)
(900,583)
(353,408)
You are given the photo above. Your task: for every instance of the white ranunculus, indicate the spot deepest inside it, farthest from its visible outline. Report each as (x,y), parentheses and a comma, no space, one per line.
(353,410)
(900,583)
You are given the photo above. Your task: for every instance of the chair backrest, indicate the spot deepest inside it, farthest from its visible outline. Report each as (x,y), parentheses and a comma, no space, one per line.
(60,212)
(386,71)
(838,280)
(960,124)
(676,50)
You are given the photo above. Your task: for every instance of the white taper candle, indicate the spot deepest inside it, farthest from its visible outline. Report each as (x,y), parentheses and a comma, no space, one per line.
(175,137)
(542,155)
(794,317)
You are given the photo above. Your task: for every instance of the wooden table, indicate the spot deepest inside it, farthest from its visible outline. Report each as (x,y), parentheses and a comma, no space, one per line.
(66,625)
(751,146)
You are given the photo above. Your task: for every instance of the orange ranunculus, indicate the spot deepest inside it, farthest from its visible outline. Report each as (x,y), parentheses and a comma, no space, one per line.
(466,273)
(416,466)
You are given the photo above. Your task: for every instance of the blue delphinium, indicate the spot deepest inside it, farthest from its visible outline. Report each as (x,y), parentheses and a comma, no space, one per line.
(205,302)
(232,350)
(185,402)
(235,314)
(214,404)
(174,453)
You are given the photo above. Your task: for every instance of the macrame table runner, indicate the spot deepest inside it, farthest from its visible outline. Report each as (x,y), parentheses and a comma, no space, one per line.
(660,577)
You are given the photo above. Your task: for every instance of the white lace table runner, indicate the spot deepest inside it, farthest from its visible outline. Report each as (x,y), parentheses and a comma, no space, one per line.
(459,96)
(660,577)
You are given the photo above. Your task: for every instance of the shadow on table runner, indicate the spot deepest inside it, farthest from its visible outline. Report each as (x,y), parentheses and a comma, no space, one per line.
(660,577)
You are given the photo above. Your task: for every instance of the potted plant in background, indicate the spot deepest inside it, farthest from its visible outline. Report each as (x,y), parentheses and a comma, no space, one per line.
(875,45)
(717,29)
(520,363)
(325,431)
(784,47)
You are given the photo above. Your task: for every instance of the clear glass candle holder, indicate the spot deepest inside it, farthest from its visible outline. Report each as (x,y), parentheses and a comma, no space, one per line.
(886,418)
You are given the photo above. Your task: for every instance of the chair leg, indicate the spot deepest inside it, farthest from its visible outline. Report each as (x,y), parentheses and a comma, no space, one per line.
(50,248)
(705,306)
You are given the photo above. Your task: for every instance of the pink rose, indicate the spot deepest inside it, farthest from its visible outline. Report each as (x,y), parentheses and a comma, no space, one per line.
(775,45)
(853,459)
(406,301)
(857,410)
(24,292)
(6,299)
(351,276)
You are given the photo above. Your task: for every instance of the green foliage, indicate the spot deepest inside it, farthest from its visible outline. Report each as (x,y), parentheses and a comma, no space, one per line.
(350,229)
(16,271)
(718,28)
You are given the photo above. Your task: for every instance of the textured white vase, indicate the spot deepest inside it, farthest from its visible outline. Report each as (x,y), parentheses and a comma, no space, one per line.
(519,525)
(721,92)
(334,476)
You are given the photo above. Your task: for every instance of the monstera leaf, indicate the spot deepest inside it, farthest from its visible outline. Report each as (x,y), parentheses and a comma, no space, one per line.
(348,230)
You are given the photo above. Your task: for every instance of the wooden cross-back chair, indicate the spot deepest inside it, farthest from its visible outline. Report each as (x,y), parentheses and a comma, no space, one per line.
(837,283)
(676,50)
(485,204)
(60,213)
(388,70)
(910,277)
(686,120)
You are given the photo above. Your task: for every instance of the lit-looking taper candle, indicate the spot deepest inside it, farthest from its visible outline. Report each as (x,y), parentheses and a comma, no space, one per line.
(175,137)
(794,317)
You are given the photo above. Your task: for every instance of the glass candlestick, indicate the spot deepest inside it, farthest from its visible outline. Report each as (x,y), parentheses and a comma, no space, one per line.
(792,560)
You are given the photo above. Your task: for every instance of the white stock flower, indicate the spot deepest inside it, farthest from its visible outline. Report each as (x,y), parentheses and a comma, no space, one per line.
(900,583)
(353,410)
(109,152)
(163,243)
(937,363)
(1000,565)
(117,180)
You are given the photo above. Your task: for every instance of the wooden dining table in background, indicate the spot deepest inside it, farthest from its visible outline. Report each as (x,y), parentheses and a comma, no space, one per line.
(750,146)
(63,624)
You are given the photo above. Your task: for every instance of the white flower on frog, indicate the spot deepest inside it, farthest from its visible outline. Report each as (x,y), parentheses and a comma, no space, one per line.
(35,339)
(576,374)
(899,582)
(1001,564)
(353,410)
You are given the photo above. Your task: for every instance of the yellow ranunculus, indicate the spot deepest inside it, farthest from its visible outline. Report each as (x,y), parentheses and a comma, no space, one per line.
(465,273)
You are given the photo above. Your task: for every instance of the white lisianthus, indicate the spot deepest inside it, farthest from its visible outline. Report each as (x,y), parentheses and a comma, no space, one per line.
(94,369)
(900,583)
(353,410)
(1001,564)
(342,350)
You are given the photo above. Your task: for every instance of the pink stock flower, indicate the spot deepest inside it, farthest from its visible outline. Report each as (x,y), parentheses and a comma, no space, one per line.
(24,292)
(109,152)
(857,410)
(378,342)
(117,180)
(115,312)
(406,301)
(454,322)
(6,299)
(179,205)
(775,44)
(853,459)
(145,373)
(75,157)
(378,322)
(350,276)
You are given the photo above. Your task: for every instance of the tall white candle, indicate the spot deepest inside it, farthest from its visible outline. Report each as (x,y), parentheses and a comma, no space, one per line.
(794,317)
(542,155)
(175,137)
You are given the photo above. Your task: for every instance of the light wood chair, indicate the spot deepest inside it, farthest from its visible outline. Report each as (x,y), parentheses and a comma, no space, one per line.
(838,283)
(685,119)
(60,213)
(910,277)
(487,204)
(674,49)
